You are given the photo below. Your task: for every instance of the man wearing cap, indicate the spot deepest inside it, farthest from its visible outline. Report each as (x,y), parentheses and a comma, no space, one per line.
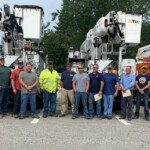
(16,88)
(109,91)
(96,87)
(81,87)
(50,84)
(28,81)
(67,89)
(127,83)
(5,73)
(142,84)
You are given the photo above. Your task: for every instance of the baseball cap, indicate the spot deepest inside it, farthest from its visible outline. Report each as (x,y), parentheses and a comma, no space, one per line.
(2,58)
(144,67)
(50,63)
(20,62)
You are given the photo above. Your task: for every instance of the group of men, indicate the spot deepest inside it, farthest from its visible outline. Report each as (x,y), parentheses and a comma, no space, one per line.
(75,87)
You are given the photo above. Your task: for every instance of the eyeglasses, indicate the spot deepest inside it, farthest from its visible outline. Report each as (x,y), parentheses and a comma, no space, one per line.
(80,68)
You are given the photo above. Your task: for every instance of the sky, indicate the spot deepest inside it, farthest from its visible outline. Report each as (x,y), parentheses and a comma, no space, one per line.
(49,6)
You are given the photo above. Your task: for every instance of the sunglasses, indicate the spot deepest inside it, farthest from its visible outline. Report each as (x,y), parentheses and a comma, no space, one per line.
(144,68)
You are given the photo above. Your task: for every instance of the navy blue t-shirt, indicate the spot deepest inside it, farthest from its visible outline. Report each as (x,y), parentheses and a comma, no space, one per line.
(66,78)
(110,81)
(143,81)
(95,82)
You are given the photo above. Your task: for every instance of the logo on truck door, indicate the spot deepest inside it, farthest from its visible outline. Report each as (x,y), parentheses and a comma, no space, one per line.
(133,21)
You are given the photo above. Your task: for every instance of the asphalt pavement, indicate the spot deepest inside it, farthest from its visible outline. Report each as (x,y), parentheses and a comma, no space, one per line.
(55,133)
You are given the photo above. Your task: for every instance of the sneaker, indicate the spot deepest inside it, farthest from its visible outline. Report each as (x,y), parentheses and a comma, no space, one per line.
(54,115)
(1,116)
(16,116)
(87,117)
(122,117)
(109,118)
(21,117)
(135,117)
(129,118)
(104,117)
(74,117)
(8,115)
(36,117)
(147,118)
(62,115)
(45,116)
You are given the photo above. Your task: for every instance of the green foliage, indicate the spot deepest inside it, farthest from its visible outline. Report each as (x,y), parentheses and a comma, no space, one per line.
(77,17)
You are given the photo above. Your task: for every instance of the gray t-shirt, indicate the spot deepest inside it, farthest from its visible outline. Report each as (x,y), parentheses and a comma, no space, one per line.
(81,80)
(28,78)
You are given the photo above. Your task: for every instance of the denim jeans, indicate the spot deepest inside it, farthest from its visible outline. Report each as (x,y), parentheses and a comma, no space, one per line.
(24,102)
(91,107)
(49,98)
(108,104)
(17,102)
(4,97)
(83,97)
(140,96)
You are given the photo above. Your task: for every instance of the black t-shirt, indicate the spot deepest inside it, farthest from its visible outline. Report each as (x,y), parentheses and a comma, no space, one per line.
(143,81)
(95,82)
(66,78)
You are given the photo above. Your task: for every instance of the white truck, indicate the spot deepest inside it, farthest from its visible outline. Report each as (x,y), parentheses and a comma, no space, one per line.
(23,31)
(119,28)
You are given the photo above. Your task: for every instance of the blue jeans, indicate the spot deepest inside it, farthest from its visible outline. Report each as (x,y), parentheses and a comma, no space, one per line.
(108,104)
(91,107)
(17,101)
(140,96)
(83,97)
(4,97)
(24,102)
(49,98)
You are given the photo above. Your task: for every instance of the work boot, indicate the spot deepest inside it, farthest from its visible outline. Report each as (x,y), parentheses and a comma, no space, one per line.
(8,115)
(36,117)
(129,118)
(109,118)
(104,117)
(87,117)
(122,117)
(45,116)
(99,117)
(21,117)
(74,117)
(147,118)
(16,116)
(1,116)
(54,115)
(91,117)
(135,117)
(62,115)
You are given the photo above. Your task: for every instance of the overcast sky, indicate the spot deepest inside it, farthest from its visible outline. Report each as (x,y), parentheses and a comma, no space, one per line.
(49,6)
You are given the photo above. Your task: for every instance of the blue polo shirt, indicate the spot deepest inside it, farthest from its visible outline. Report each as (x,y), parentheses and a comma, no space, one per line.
(95,82)
(66,78)
(127,82)
(110,81)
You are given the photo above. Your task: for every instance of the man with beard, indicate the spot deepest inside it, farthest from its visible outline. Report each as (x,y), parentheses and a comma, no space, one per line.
(28,81)
(16,88)
(142,84)
(4,87)
(50,84)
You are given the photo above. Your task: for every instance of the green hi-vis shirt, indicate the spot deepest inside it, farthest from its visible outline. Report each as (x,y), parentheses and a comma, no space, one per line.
(5,73)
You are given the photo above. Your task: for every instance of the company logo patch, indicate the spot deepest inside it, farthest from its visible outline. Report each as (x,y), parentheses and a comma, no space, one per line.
(133,21)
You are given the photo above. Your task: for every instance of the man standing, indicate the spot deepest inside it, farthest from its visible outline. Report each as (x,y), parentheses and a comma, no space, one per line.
(110,81)
(67,89)
(127,83)
(4,88)
(142,84)
(16,88)
(81,87)
(28,81)
(50,84)
(96,87)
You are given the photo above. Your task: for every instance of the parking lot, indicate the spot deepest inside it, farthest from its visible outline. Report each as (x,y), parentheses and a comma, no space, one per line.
(55,133)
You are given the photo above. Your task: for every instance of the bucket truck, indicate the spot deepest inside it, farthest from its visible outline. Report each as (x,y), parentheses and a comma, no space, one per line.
(119,28)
